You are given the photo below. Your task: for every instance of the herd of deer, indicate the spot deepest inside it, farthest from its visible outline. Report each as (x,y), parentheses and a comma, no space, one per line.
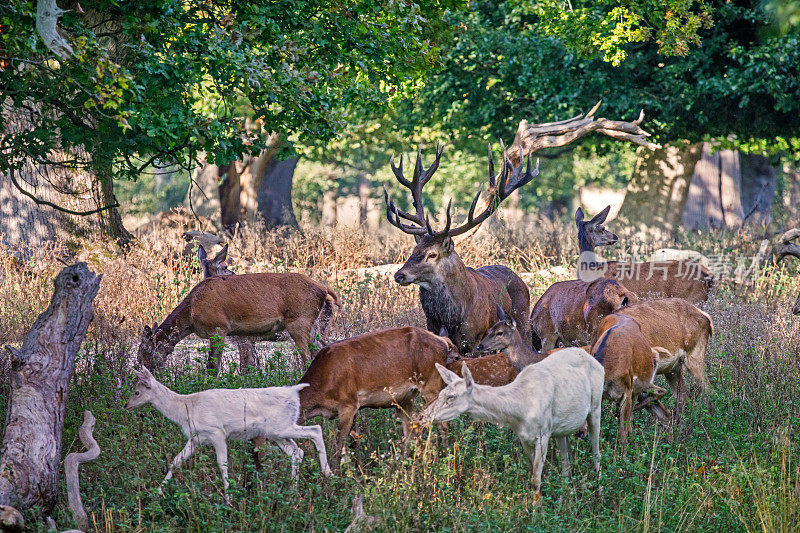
(482,353)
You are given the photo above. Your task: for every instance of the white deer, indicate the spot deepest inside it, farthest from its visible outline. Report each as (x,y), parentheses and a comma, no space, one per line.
(551,398)
(213,416)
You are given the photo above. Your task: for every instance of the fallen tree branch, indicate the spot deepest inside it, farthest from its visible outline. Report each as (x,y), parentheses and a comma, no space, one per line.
(531,138)
(71,464)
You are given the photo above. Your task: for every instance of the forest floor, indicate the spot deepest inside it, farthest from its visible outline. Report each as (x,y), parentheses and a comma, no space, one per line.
(732,464)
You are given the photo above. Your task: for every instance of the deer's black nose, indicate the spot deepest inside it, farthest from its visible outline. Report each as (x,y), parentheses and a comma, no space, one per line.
(399,277)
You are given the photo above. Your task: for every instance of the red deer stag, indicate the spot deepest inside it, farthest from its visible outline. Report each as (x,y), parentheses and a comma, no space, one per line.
(380,369)
(456,297)
(675,279)
(789,248)
(567,308)
(247,345)
(681,329)
(247,305)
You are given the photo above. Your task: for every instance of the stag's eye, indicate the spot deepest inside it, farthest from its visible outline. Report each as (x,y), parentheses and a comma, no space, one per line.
(432,255)
(136,393)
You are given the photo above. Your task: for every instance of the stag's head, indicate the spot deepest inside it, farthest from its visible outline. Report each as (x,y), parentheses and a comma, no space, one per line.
(603,297)
(500,336)
(434,252)
(593,233)
(144,392)
(216,266)
(455,398)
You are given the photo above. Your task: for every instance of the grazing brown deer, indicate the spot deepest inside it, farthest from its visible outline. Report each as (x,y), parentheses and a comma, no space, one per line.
(248,305)
(673,279)
(630,365)
(567,307)
(789,248)
(454,296)
(247,345)
(682,330)
(380,369)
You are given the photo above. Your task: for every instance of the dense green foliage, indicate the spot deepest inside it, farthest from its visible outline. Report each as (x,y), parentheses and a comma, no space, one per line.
(163,81)
(739,80)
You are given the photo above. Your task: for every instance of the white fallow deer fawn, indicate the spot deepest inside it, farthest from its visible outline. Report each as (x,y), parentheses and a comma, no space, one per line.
(788,248)
(215,416)
(244,305)
(454,296)
(552,398)
(217,266)
(689,280)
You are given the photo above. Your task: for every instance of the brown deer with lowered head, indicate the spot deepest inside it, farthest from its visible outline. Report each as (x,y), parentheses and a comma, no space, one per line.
(455,297)
(217,266)
(380,369)
(789,248)
(681,330)
(244,305)
(674,279)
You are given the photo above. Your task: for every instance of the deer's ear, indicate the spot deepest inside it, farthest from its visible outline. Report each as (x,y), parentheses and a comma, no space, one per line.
(447,245)
(467,377)
(600,217)
(448,376)
(579,216)
(501,315)
(222,255)
(145,377)
(147,332)
(201,254)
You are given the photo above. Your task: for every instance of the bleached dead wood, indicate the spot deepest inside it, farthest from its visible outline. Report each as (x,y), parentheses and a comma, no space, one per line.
(71,464)
(39,376)
(47,15)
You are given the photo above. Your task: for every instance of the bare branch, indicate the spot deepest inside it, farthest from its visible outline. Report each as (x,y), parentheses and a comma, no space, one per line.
(531,138)
(71,464)
(39,201)
(47,14)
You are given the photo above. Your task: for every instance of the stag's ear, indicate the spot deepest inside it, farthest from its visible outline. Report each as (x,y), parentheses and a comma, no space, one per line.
(579,216)
(501,315)
(201,254)
(448,376)
(222,255)
(447,245)
(147,332)
(600,217)
(467,377)
(443,332)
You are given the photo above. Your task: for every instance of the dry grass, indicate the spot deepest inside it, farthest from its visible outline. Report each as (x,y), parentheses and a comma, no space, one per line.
(736,465)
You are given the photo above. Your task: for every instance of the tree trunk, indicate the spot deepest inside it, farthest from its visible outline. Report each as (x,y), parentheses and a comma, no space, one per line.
(715,191)
(110,219)
(275,194)
(40,374)
(229,190)
(759,182)
(656,194)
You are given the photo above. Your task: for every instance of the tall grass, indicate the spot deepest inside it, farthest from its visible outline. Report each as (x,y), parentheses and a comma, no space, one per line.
(732,464)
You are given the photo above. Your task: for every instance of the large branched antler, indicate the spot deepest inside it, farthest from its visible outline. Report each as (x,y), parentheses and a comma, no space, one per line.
(511,178)
(418,181)
(787,247)
(531,138)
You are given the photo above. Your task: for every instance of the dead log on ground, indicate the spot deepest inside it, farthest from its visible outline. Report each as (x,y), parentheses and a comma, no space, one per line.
(40,374)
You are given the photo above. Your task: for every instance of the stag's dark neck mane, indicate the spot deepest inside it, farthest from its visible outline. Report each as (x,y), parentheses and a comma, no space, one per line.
(444,303)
